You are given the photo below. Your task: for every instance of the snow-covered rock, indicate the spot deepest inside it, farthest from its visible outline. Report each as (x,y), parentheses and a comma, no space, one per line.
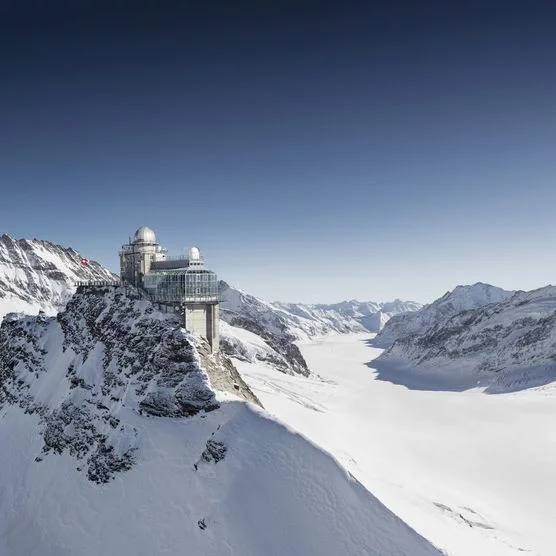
(76,371)
(501,347)
(115,441)
(245,345)
(270,330)
(37,275)
(462,298)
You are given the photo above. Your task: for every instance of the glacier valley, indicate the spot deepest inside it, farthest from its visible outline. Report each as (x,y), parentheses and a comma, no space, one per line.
(474,473)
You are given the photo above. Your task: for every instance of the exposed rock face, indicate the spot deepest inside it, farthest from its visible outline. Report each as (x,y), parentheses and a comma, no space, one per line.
(37,275)
(107,351)
(501,347)
(462,298)
(223,375)
(214,452)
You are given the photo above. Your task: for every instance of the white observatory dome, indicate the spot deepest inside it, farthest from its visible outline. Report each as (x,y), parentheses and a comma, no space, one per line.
(144,235)
(194,254)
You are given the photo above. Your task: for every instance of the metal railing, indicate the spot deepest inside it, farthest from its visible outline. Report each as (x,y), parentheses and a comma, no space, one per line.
(176,258)
(97,283)
(178,299)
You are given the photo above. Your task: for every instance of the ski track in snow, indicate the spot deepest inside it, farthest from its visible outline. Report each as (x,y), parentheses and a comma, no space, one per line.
(473,473)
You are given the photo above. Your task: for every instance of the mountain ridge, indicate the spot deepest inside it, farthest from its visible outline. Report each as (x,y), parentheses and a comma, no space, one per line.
(500,347)
(38,275)
(461,298)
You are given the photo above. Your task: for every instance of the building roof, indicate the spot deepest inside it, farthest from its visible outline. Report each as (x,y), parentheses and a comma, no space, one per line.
(144,235)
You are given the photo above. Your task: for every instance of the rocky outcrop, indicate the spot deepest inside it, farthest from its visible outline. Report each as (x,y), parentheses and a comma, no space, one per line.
(223,374)
(110,352)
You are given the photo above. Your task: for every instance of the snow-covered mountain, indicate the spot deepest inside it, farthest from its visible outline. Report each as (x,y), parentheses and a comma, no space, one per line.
(255,329)
(504,346)
(37,275)
(252,328)
(116,441)
(351,316)
(462,298)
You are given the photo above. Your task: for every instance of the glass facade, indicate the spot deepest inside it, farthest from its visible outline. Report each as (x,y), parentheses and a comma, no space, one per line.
(182,286)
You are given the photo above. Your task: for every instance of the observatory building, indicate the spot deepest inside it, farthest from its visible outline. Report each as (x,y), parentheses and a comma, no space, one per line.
(137,256)
(180,282)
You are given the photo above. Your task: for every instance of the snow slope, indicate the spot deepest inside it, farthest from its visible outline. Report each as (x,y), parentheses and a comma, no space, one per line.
(462,298)
(37,275)
(474,474)
(505,346)
(114,441)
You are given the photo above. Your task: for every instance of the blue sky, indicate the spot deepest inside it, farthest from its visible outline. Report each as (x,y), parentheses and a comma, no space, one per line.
(314,152)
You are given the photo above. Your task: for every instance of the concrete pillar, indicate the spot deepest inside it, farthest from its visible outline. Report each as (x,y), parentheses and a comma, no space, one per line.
(213,328)
(203,319)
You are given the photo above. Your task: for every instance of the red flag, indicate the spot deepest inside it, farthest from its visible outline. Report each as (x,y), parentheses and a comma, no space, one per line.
(84,261)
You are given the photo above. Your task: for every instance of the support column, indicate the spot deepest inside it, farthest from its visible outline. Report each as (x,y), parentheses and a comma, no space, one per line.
(213,327)
(203,319)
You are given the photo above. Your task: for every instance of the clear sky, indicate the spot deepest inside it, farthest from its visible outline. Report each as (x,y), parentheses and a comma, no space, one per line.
(314,151)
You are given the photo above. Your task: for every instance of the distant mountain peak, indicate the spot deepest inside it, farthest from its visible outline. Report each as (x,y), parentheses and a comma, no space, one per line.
(461,298)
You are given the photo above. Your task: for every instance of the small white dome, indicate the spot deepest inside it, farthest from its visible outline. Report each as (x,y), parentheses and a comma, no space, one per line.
(194,254)
(144,235)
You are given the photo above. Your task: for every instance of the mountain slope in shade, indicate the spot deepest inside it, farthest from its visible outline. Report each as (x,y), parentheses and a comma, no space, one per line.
(36,275)
(115,441)
(462,298)
(501,347)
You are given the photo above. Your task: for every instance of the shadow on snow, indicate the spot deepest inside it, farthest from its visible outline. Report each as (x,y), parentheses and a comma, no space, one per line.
(499,381)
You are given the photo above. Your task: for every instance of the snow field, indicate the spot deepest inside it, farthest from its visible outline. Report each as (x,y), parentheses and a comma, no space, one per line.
(274,493)
(473,473)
